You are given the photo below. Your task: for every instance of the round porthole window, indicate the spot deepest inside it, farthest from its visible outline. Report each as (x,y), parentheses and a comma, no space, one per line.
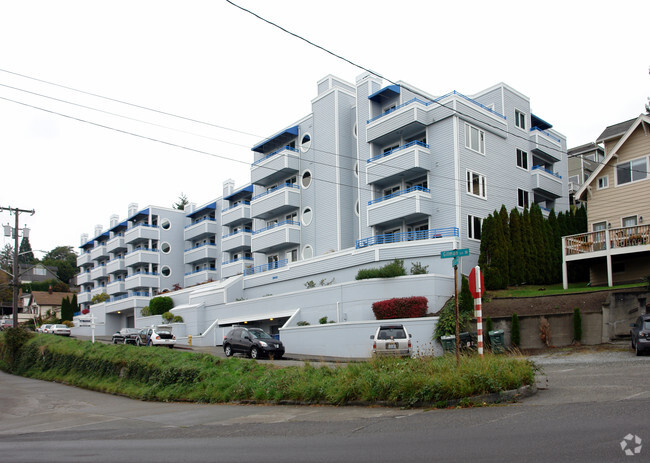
(165,247)
(307,252)
(306,179)
(307,215)
(165,271)
(305,143)
(356,208)
(165,224)
(355,130)
(356,168)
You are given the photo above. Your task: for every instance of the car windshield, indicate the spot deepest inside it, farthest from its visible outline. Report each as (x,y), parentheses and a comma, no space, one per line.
(130,330)
(166,331)
(646,325)
(391,333)
(259,334)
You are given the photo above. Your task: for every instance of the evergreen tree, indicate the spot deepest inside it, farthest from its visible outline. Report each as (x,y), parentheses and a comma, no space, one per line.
(25,254)
(66,309)
(465,298)
(556,246)
(74,304)
(181,203)
(539,242)
(486,258)
(530,251)
(7,258)
(499,255)
(516,255)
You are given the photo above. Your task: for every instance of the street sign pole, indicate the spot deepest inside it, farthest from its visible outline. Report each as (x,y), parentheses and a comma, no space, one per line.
(457,315)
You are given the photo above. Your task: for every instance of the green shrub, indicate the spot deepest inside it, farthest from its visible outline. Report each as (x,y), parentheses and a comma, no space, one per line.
(322,320)
(418,269)
(447,319)
(303,323)
(161,304)
(489,325)
(14,339)
(99,298)
(145,312)
(177,319)
(577,325)
(515,331)
(394,269)
(167,316)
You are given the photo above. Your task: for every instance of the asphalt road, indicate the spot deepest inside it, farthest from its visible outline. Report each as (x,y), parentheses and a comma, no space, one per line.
(591,403)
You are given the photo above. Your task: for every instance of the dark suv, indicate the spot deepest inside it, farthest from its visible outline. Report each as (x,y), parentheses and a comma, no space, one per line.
(253,342)
(640,334)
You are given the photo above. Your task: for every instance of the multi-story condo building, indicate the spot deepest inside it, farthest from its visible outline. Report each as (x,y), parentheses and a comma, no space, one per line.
(373,173)
(583,161)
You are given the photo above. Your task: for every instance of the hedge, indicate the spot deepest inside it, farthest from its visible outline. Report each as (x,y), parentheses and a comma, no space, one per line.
(400,307)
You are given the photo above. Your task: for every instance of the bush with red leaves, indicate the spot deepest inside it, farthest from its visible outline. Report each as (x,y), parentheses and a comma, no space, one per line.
(400,307)
(85,311)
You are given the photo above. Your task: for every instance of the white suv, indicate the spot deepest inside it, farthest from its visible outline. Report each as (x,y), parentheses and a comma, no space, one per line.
(391,340)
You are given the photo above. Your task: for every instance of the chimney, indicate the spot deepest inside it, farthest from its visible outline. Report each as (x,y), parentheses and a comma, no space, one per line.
(114,220)
(133,209)
(228,187)
(98,230)
(49,289)
(191,207)
(84,238)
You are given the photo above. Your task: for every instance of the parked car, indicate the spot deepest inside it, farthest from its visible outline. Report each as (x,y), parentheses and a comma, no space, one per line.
(126,336)
(157,335)
(253,342)
(391,340)
(6,323)
(43,328)
(640,334)
(61,330)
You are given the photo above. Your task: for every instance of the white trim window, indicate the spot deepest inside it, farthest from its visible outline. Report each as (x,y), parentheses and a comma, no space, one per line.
(603,182)
(474,225)
(522,159)
(522,198)
(631,221)
(474,139)
(476,184)
(520,119)
(632,171)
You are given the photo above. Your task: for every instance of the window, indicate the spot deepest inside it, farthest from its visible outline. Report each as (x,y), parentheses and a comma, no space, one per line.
(389,108)
(603,182)
(629,221)
(166,224)
(305,143)
(391,190)
(522,198)
(166,271)
(292,255)
(39,271)
(165,247)
(390,148)
(421,137)
(520,119)
(307,252)
(291,217)
(598,226)
(632,171)
(476,184)
(474,139)
(307,216)
(474,227)
(291,181)
(419,182)
(522,159)
(306,179)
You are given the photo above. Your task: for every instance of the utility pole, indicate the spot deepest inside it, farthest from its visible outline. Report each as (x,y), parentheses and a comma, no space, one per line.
(8,232)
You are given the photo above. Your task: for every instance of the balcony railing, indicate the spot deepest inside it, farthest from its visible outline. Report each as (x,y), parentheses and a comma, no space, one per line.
(399,193)
(266,267)
(552,137)
(624,237)
(201,270)
(243,203)
(239,259)
(407,236)
(200,246)
(244,230)
(273,190)
(399,148)
(274,153)
(200,220)
(546,170)
(275,225)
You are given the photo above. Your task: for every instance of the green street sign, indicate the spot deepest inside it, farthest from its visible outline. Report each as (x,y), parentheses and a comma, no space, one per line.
(454,262)
(455,253)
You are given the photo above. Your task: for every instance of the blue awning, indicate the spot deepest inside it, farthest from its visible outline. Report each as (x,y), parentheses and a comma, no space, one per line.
(242,192)
(539,123)
(119,226)
(278,139)
(212,206)
(143,212)
(385,93)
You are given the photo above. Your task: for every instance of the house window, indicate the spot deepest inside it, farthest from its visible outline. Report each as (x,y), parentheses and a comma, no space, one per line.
(474,139)
(603,182)
(391,190)
(305,143)
(522,198)
(39,271)
(420,182)
(599,226)
(474,227)
(421,137)
(520,119)
(306,179)
(291,217)
(389,148)
(291,181)
(522,159)
(476,184)
(389,108)
(629,221)
(632,171)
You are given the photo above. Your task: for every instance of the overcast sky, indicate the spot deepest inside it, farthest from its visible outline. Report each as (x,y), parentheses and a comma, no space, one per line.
(584,66)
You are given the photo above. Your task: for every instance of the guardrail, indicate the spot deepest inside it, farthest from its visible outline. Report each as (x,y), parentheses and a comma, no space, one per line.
(273,190)
(244,230)
(239,259)
(202,270)
(408,236)
(288,148)
(532,129)
(399,193)
(243,203)
(399,148)
(546,170)
(275,225)
(266,267)
(201,220)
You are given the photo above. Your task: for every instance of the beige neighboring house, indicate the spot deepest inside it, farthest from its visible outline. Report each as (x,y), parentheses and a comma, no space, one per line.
(617,245)
(37,303)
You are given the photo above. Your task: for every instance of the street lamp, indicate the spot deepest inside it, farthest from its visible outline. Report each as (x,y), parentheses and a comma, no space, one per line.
(15,232)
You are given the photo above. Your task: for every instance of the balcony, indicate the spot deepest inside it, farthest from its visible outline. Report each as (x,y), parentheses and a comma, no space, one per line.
(84,297)
(236,241)
(97,291)
(200,229)
(201,253)
(83,259)
(407,160)
(116,244)
(142,280)
(438,233)
(115,266)
(136,301)
(235,215)
(412,203)
(98,273)
(236,266)
(142,256)
(279,236)
(276,201)
(266,267)
(201,276)
(98,252)
(275,166)
(83,278)
(409,113)
(141,232)
(547,182)
(546,145)
(117,287)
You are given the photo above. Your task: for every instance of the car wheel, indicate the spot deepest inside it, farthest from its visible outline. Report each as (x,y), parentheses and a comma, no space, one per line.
(255,353)
(171,346)
(137,342)
(114,341)
(636,349)
(228,350)
(124,342)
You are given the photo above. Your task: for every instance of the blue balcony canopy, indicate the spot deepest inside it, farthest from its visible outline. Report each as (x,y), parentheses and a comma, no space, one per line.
(278,139)
(208,207)
(243,192)
(385,93)
(539,123)
(142,213)
(119,226)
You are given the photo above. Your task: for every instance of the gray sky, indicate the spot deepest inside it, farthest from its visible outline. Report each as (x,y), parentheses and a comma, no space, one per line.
(584,65)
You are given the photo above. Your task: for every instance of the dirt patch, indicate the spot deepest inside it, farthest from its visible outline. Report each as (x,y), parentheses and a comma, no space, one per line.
(544,305)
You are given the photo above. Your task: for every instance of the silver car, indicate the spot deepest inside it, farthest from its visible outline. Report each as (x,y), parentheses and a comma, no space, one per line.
(61,330)
(391,340)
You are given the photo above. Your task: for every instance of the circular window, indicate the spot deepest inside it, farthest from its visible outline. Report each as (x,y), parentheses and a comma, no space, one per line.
(165,224)
(307,215)
(306,179)
(305,143)
(355,130)
(307,252)
(165,247)
(165,271)
(356,168)
(356,208)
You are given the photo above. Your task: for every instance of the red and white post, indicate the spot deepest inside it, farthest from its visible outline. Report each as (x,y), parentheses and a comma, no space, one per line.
(476,288)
